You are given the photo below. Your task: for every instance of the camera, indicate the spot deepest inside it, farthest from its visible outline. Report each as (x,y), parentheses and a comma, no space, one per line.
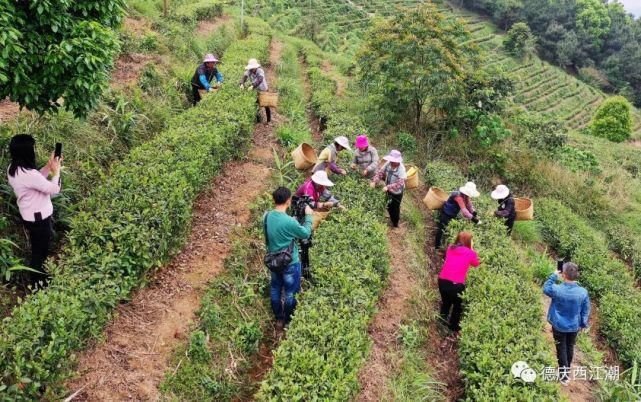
(299,204)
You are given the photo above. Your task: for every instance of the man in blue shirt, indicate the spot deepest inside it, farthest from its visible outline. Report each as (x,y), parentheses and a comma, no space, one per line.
(203,76)
(569,312)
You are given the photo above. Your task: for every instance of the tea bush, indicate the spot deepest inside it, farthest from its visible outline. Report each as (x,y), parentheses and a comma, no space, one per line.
(607,279)
(129,225)
(327,340)
(502,321)
(198,11)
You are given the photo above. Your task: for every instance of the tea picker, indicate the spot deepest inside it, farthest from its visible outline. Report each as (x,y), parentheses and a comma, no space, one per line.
(459,201)
(255,74)
(393,174)
(507,206)
(313,193)
(328,157)
(205,73)
(365,157)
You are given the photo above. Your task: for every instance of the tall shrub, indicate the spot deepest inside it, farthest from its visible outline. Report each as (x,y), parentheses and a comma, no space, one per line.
(613,120)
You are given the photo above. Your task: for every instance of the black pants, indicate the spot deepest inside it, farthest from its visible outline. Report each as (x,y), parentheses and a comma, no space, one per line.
(40,238)
(394,207)
(268,113)
(564,342)
(196,94)
(510,225)
(304,259)
(443,220)
(451,299)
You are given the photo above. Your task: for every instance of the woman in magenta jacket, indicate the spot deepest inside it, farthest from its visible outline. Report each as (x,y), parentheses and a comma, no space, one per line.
(459,257)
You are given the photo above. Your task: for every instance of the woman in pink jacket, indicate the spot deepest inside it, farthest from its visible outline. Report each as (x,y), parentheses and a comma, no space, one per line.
(459,257)
(33,189)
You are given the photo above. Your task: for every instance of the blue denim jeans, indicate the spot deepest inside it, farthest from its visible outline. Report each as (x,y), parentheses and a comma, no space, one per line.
(283,291)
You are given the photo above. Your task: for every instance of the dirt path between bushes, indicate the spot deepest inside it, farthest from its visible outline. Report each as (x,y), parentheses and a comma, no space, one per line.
(395,305)
(384,359)
(133,359)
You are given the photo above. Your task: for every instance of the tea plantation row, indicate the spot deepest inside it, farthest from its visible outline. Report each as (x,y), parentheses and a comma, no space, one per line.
(131,224)
(502,322)
(327,341)
(607,279)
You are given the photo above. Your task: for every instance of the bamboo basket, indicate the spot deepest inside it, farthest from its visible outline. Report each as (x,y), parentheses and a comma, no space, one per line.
(412,178)
(318,217)
(268,99)
(435,198)
(524,209)
(304,156)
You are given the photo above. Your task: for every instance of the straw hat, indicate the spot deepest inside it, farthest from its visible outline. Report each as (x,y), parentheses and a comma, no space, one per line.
(252,64)
(362,141)
(343,142)
(210,58)
(394,156)
(469,189)
(321,178)
(500,192)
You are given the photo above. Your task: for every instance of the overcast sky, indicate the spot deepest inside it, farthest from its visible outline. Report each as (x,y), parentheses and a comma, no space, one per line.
(633,6)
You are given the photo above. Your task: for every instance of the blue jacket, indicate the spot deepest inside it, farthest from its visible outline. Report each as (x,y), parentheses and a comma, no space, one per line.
(570,307)
(203,76)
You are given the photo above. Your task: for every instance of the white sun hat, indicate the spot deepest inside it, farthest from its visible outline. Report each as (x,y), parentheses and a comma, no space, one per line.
(469,189)
(500,192)
(321,178)
(343,142)
(394,156)
(210,58)
(252,64)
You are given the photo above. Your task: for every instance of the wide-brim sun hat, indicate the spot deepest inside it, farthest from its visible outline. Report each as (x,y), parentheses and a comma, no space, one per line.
(469,189)
(394,156)
(500,192)
(343,142)
(252,64)
(321,178)
(362,141)
(210,58)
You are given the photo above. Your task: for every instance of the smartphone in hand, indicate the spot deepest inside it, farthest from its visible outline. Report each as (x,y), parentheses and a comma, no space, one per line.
(58,152)
(559,266)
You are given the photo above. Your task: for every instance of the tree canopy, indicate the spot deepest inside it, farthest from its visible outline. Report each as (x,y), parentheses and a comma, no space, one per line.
(613,120)
(416,58)
(57,52)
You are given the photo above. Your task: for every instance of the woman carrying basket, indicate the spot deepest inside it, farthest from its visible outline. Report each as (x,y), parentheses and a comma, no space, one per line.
(258,81)
(394,175)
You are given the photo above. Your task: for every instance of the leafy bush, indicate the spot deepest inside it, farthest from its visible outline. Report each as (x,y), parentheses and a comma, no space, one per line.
(578,160)
(407,143)
(61,49)
(519,40)
(607,279)
(129,225)
(613,120)
(624,242)
(541,132)
(198,11)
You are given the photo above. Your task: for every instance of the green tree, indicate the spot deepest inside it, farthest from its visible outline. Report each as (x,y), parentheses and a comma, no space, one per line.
(416,58)
(52,50)
(593,19)
(519,40)
(613,119)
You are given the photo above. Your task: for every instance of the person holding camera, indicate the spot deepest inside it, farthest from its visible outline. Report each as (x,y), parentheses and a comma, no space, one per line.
(458,202)
(569,312)
(33,189)
(281,234)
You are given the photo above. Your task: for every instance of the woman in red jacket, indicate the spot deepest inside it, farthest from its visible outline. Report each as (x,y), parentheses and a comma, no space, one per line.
(459,257)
